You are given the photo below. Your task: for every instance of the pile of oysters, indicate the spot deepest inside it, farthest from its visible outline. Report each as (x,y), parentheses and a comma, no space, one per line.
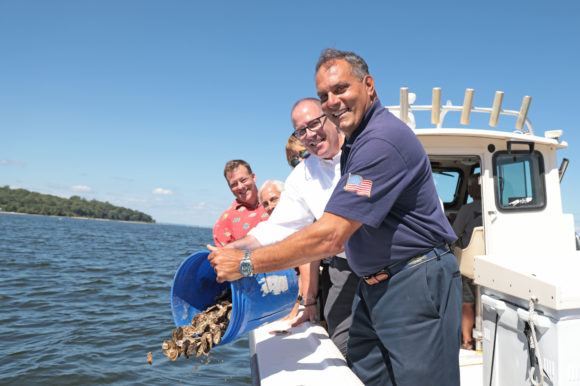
(205,331)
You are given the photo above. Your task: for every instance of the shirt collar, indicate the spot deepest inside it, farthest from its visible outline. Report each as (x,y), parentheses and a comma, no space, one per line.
(332,160)
(350,140)
(366,118)
(312,162)
(238,204)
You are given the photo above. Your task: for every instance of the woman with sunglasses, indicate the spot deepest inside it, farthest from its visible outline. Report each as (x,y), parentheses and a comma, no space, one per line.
(295,151)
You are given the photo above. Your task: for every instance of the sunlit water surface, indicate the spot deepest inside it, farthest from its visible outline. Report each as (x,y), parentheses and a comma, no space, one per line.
(84,301)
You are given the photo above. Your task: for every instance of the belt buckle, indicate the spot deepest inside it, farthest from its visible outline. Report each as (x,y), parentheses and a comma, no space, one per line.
(377,277)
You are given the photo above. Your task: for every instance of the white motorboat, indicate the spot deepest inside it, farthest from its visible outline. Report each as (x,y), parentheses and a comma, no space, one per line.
(524,259)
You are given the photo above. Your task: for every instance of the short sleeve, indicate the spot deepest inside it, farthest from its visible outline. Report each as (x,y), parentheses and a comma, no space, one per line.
(376,176)
(291,215)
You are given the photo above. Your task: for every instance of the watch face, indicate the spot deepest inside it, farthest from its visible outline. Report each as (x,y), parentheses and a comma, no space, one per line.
(246,268)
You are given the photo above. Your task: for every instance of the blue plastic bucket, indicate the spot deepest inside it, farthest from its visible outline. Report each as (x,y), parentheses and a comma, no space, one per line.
(256,300)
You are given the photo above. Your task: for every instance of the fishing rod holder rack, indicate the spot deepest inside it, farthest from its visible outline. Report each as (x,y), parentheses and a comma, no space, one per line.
(438,111)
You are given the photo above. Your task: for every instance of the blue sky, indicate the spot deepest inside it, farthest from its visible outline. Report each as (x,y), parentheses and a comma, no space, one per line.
(141,103)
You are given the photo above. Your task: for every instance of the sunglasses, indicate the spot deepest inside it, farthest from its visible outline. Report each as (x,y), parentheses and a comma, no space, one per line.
(301,156)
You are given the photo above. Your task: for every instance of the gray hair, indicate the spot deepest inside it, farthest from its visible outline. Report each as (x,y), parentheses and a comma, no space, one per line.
(277,183)
(358,67)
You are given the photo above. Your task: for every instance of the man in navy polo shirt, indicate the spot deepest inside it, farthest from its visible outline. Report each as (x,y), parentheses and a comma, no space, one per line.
(406,324)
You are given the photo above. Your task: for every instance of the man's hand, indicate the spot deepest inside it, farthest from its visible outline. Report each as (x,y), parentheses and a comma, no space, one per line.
(307,314)
(292,313)
(225,262)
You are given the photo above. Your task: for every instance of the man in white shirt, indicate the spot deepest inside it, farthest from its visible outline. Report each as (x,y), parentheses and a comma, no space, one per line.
(307,190)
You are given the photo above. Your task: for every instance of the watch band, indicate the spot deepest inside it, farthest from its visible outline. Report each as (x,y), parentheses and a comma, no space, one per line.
(246,268)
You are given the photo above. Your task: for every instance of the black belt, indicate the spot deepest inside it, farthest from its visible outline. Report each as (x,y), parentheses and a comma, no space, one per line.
(393,269)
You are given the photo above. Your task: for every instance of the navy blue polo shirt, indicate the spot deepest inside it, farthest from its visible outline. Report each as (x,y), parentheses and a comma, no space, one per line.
(387,185)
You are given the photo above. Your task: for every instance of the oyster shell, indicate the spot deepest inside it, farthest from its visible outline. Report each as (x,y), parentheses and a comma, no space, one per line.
(206,330)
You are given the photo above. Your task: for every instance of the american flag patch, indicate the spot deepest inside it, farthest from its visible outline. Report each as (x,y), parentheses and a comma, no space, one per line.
(356,183)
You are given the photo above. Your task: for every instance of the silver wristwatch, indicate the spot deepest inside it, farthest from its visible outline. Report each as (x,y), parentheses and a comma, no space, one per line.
(246,268)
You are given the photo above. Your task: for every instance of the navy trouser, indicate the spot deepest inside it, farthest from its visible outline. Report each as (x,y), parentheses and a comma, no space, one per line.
(407,330)
(338,307)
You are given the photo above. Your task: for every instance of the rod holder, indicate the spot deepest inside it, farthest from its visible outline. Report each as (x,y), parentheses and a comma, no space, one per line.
(523,112)
(467,102)
(495,110)
(404,101)
(436,106)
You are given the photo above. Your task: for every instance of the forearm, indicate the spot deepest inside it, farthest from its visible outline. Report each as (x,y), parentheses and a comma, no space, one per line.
(309,280)
(247,242)
(324,238)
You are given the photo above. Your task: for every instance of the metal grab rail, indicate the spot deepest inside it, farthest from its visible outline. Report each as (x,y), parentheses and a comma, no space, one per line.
(438,112)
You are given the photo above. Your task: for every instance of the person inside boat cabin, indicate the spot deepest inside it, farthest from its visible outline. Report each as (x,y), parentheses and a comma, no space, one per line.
(295,151)
(468,217)
(269,194)
(307,190)
(406,314)
(246,211)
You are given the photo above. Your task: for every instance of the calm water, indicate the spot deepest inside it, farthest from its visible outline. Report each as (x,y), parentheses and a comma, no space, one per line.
(83,301)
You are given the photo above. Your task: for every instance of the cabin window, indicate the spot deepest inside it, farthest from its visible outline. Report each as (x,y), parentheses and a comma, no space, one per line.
(519,181)
(447,183)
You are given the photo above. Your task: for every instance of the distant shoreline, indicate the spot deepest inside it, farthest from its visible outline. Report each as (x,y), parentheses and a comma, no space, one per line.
(78,217)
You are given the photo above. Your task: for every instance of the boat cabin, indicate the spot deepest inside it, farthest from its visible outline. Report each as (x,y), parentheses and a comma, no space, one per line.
(522,256)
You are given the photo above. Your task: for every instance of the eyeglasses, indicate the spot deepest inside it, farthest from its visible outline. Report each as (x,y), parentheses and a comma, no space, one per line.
(301,156)
(314,124)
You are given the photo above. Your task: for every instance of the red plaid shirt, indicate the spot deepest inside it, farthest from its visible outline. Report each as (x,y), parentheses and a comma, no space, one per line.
(236,222)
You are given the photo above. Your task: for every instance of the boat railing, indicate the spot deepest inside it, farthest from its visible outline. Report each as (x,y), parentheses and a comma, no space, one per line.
(438,111)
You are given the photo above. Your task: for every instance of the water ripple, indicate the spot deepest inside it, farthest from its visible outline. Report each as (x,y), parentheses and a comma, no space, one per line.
(83,301)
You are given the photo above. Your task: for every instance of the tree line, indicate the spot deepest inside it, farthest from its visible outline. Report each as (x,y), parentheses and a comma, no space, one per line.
(25,201)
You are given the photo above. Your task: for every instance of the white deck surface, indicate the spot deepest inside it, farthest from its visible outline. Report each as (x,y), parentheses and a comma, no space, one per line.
(304,356)
(471,368)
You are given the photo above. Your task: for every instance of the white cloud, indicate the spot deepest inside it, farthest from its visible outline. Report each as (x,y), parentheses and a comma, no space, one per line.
(9,162)
(201,205)
(162,191)
(81,188)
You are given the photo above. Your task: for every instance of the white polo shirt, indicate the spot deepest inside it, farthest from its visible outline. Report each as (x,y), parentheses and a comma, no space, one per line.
(306,192)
